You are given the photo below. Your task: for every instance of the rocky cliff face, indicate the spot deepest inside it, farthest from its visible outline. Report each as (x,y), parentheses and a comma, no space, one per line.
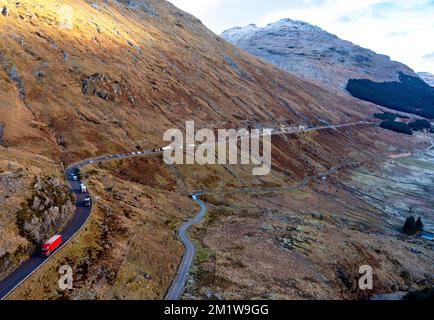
(50,206)
(41,216)
(427,77)
(35,204)
(1,132)
(312,53)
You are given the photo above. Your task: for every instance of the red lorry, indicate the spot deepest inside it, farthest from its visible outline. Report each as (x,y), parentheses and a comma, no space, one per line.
(51,245)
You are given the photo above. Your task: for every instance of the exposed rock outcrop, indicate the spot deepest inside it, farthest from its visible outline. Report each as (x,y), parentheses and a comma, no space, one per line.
(50,207)
(104,87)
(5,11)
(2,128)
(13,74)
(143,5)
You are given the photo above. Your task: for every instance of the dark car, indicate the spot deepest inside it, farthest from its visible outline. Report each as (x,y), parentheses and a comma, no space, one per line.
(87,202)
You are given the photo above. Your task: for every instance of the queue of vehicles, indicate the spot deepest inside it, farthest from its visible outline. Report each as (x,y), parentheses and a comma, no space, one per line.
(56,241)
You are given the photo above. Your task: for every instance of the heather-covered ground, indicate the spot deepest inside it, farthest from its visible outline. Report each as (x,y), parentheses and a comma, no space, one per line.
(114,83)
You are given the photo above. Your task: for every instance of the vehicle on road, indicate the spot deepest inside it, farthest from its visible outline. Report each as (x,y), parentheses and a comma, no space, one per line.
(74,177)
(83,188)
(87,202)
(51,245)
(164,149)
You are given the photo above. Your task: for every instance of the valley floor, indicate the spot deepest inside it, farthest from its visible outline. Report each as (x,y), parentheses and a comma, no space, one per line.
(310,243)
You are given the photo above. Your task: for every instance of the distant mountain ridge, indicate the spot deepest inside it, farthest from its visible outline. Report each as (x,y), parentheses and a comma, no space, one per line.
(314,54)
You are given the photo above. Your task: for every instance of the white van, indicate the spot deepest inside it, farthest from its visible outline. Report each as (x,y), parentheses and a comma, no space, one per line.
(83,188)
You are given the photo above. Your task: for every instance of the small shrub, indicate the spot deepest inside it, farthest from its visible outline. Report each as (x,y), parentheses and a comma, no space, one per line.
(397,127)
(411,226)
(425,294)
(419,125)
(419,225)
(385,116)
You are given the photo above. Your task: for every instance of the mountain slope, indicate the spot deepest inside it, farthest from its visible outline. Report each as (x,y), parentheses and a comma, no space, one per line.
(119,65)
(114,76)
(312,53)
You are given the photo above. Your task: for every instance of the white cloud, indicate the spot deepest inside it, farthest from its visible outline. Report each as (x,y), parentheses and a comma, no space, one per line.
(402,29)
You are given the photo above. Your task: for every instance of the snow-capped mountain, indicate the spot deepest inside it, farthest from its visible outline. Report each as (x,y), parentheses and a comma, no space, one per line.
(427,77)
(314,54)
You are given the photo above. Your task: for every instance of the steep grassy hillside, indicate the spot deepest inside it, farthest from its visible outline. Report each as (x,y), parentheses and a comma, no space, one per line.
(124,73)
(84,78)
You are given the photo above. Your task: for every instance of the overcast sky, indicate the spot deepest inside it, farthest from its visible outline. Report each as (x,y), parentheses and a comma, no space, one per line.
(402,29)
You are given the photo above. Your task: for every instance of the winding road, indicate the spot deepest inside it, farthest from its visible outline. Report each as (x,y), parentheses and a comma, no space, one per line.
(176,291)
(82,215)
(31,265)
(72,228)
(178,285)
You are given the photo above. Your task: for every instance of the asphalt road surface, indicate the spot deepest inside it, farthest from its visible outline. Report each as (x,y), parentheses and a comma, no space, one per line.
(178,284)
